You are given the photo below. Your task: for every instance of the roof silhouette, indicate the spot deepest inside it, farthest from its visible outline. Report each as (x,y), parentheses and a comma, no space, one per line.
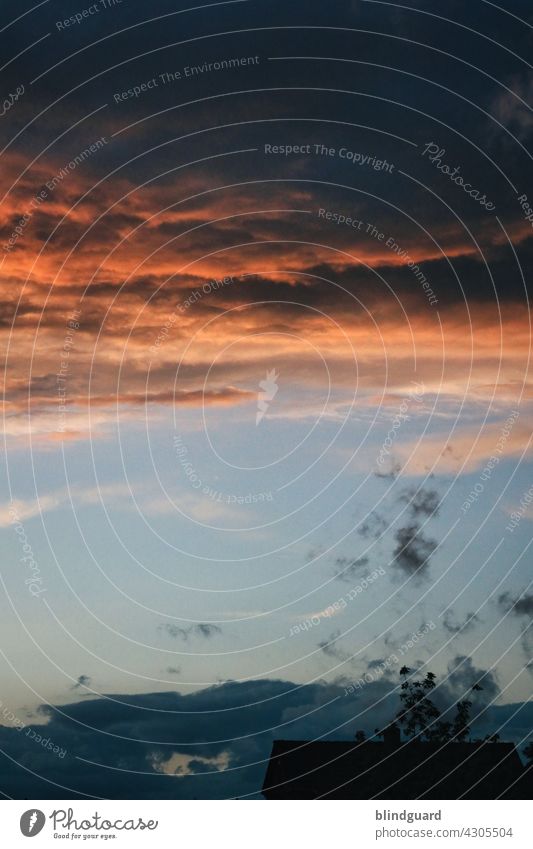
(410,770)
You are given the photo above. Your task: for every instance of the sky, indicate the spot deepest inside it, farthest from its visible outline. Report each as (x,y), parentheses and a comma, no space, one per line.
(267,395)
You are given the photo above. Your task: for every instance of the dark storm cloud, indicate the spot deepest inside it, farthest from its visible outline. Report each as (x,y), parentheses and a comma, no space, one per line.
(413,550)
(463,675)
(233,722)
(97,48)
(231,725)
(383,100)
(202,629)
(512,721)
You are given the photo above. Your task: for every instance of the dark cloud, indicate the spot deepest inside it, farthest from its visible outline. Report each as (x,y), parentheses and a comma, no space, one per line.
(82,681)
(413,550)
(462,675)
(206,630)
(519,606)
(202,629)
(175,630)
(421,502)
(221,735)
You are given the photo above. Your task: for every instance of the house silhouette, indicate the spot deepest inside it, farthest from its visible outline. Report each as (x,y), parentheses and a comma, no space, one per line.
(393,769)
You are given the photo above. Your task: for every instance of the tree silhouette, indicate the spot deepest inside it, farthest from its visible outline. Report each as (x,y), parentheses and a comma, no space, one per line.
(419,718)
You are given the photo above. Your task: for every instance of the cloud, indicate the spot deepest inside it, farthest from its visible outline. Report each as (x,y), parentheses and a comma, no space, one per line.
(201,629)
(20,510)
(82,681)
(389,470)
(462,675)
(511,107)
(24,509)
(455,626)
(413,550)
(118,496)
(330,648)
(145,247)
(212,743)
(470,449)
(150,338)
(422,502)
(519,605)
(373,527)
(207,630)
(347,570)
(182,765)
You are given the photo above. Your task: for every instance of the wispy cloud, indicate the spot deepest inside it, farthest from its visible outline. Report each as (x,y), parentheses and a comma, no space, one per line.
(201,629)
